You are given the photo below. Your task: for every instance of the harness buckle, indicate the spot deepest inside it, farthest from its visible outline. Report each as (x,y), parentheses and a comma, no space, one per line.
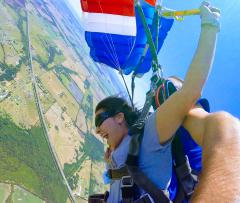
(126,181)
(127,189)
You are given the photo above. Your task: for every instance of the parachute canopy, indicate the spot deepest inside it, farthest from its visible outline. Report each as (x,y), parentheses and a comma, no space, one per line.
(115,33)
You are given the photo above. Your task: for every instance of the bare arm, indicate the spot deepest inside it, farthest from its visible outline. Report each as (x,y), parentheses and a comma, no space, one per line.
(171,114)
(220,178)
(194,123)
(219,135)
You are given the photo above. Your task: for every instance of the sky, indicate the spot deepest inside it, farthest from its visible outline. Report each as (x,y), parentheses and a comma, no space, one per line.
(223,85)
(76,5)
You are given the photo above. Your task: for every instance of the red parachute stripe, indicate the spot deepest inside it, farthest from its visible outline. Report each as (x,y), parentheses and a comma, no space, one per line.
(152,2)
(117,7)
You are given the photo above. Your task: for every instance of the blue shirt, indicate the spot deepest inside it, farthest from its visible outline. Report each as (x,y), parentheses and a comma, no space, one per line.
(155,160)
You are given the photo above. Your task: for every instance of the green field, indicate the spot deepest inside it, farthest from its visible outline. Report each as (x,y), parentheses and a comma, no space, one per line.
(15,194)
(21,195)
(25,160)
(27,170)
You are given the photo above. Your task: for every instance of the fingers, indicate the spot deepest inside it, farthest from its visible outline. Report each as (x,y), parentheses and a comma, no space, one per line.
(205,3)
(210,15)
(107,154)
(215,10)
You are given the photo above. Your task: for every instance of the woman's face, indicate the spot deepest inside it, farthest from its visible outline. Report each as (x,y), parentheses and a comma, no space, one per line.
(112,128)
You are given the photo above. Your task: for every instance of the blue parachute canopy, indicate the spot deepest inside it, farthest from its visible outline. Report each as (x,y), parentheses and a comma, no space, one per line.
(116,36)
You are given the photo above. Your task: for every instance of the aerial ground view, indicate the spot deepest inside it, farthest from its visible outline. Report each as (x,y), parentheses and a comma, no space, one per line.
(49,87)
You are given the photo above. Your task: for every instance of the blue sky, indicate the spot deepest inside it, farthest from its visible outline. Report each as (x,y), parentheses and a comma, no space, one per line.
(222,88)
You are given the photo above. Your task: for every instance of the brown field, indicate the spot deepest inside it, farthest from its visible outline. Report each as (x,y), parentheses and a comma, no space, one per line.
(5,190)
(56,89)
(22,99)
(65,136)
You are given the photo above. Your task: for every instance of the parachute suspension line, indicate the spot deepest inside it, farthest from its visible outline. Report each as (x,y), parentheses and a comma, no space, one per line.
(109,50)
(131,48)
(115,59)
(131,99)
(133,85)
(114,52)
(112,49)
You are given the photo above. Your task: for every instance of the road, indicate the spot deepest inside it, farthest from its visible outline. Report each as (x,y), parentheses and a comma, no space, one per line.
(41,116)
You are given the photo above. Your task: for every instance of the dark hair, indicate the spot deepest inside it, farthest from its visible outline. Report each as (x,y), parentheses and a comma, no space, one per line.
(114,104)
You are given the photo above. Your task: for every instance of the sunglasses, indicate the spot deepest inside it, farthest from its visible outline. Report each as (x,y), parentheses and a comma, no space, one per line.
(100,118)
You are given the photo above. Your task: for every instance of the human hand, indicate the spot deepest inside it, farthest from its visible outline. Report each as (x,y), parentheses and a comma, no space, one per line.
(107,155)
(209,15)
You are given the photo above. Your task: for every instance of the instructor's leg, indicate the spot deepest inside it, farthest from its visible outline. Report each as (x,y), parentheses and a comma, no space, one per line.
(220,178)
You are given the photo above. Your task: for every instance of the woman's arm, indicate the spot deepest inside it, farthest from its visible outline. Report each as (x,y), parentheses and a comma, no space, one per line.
(171,114)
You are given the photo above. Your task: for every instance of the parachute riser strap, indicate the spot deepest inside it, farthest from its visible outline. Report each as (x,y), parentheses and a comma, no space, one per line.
(130,98)
(155,28)
(147,31)
(155,25)
(133,86)
(141,59)
(147,105)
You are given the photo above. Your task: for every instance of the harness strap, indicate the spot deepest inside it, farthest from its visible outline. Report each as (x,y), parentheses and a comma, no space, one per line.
(143,182)
(116,174)
(180,196)
(136,132)
(143,199)
(98,198)
(186,179)
(178,151)
(139,178)
(127,187)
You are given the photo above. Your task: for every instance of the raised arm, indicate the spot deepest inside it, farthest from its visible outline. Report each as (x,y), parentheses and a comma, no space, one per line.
(171,114)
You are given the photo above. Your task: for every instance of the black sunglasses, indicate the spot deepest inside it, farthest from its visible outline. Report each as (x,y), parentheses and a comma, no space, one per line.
(100,118)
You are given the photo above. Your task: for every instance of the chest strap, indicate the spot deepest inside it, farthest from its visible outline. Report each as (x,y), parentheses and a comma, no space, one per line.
(117,174)
(98,198)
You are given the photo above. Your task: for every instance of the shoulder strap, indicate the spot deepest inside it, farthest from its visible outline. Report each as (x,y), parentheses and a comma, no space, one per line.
(139,178)
(136,133)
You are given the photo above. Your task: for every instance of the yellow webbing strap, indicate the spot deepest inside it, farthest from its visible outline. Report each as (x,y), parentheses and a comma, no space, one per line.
(180,13)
